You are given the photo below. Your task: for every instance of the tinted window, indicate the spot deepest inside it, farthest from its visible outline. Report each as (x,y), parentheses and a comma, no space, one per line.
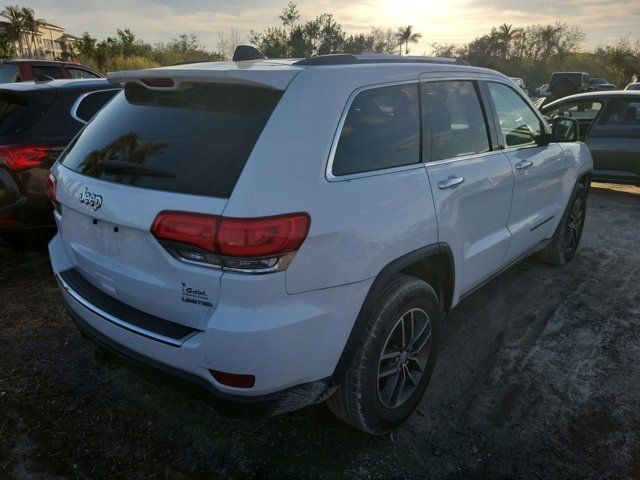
(42,72)
(80,73)
(622,112)
(519,125)
(563,84)
(193,141)
(93,102)
(381,130)
(585,110)
(453,121)
(9,73)
(18,112)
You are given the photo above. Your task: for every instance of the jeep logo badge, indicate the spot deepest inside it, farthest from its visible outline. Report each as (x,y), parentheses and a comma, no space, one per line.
(93,200)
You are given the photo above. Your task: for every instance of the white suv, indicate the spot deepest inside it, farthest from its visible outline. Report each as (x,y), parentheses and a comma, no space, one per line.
(284,232)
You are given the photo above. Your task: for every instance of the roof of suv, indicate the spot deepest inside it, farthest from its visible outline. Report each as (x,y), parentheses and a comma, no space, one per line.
(277,73)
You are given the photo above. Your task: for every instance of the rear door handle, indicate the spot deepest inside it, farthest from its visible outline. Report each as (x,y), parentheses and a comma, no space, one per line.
(450,182)
(523,165)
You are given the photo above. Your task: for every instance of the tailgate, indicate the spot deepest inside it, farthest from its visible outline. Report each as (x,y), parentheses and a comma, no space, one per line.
(105,230)
(144,153)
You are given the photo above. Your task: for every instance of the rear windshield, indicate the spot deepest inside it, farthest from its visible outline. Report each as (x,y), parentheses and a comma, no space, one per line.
(194,141)
(18,112)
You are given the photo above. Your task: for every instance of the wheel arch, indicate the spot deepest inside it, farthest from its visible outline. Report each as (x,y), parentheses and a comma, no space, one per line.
(434,264)
(585,178)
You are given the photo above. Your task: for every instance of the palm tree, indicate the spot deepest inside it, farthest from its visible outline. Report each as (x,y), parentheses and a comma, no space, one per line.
(548,40)
(15,30)
(31,28)
(406,35)
(507,34)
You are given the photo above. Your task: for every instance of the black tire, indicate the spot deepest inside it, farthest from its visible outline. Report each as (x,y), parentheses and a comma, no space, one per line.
(360,400)
(566,239)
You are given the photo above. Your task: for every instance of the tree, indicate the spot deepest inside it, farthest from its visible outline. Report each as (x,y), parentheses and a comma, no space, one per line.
(184,48)
(290,15)
(405,36)
(7,50)
(16,28)
(506,35)
(226,45)
(31,29)
(86,47)
(295,39)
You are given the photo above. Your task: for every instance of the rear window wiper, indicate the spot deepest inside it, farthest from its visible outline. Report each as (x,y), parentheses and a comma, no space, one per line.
(132,168)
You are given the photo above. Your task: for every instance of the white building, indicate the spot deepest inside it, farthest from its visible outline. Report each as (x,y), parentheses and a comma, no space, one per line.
(48,43)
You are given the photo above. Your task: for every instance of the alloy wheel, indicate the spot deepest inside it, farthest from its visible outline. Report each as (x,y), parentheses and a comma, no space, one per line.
(574,225)
(404,358)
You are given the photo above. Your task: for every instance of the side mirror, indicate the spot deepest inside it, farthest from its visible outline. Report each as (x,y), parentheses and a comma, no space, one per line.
(564,129)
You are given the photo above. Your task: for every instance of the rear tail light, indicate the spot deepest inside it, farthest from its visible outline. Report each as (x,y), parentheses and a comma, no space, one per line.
(52,183)
(242,244)
(22,157)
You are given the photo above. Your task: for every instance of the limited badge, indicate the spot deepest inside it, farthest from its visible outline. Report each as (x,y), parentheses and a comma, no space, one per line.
(195,296)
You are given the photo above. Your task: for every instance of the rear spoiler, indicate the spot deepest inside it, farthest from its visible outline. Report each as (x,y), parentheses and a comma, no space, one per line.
(275,77)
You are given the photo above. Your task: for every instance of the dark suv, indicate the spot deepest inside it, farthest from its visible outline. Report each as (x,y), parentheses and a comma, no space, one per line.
(39,70)
(37,120)
(563,84)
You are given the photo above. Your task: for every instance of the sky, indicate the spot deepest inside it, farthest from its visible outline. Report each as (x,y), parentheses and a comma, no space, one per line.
(444,21)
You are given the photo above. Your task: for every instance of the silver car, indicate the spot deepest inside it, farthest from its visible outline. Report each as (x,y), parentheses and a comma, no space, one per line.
(609,123)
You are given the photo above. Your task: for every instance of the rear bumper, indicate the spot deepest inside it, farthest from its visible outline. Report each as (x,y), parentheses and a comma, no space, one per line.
(239,406)
(290,343)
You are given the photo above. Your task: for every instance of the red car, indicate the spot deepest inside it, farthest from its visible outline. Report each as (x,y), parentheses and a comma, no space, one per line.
(39,70)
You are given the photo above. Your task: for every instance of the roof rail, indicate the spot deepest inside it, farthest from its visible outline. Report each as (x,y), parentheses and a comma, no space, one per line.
(350,59)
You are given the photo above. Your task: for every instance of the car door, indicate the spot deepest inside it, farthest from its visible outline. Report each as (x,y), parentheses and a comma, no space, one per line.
(539,169)
(471,181)
(584,110)
(614,140)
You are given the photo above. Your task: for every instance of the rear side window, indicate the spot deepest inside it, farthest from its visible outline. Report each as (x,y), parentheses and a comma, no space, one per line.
(46,72)
(454,124)
(584,110)
(193,141)
(81,73)
(93,102)
(622,112)
(519,125)
(381,130)
(9,73)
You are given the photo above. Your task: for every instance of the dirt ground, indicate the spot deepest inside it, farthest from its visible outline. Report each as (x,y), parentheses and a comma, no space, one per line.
(538,377)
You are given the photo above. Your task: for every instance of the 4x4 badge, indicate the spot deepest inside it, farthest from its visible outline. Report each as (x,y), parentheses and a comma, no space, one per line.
(93,200)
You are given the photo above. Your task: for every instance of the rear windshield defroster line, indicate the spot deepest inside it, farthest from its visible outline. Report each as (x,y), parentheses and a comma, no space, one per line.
(199,138)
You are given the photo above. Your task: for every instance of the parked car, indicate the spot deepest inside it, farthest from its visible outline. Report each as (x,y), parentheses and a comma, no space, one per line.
(284,232)
(610,126)
(598,84)
(563,84)
(543,90)
(633,86)
(20,70)
(520,83)
(37,120)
